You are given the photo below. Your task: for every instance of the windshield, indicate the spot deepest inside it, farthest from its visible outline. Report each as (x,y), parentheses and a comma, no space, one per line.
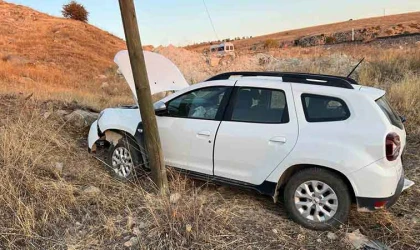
(393,117)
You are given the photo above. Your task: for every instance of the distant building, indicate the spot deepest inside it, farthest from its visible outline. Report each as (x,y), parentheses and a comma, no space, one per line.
(222,49)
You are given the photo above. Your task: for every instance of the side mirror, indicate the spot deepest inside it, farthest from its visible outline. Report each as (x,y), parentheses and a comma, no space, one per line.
(160,108)
(403,119)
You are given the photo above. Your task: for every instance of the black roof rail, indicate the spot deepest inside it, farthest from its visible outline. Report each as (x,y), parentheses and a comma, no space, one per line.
(307,78)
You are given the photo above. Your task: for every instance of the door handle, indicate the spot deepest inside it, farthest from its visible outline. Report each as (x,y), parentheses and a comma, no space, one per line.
(278,139)
(204,133)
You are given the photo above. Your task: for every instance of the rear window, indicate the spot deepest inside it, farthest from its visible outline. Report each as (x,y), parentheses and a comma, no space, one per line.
(392,116)
(318,108)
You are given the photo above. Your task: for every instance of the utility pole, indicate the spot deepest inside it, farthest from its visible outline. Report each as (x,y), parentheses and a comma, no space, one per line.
(144,96)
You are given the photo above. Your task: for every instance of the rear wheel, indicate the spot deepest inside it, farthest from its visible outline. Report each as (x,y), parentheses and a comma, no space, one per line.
(317,199)
(124,159)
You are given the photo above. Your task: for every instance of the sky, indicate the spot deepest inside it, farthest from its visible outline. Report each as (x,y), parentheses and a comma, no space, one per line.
(182,22)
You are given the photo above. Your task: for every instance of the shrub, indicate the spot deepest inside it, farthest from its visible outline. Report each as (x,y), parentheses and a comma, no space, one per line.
(270,44)
(329,40)
(76,11)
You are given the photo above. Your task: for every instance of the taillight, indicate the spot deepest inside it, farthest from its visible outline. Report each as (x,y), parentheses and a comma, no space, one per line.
(392,146)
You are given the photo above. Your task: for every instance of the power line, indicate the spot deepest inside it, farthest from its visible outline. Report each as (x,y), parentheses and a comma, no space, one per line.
(211,20)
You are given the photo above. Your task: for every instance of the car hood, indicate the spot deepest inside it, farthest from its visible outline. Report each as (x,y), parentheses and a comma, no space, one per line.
(162,73)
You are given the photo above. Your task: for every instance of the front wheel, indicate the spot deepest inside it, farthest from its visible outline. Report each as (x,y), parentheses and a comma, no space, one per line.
(317,199)
(124,159)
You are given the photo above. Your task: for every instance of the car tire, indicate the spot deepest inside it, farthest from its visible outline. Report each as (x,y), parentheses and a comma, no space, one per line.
(125,159)
(317,199)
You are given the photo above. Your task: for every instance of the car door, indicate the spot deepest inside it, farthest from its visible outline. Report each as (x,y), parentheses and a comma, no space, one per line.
(188,130)
(258,131)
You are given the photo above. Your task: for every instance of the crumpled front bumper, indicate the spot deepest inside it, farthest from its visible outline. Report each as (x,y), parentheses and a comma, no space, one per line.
(93,136)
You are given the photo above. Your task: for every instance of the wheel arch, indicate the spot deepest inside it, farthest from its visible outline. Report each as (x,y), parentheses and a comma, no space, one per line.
(298,167)
(114,135)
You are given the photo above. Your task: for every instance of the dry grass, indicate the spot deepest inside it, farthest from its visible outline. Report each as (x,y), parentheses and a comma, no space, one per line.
(44,208)
(57,58)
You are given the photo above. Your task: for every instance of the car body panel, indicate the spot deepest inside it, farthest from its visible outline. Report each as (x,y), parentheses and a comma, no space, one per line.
(93,135)
(171,80)
(345,146)
(249,152)
(188,143)
(121,119)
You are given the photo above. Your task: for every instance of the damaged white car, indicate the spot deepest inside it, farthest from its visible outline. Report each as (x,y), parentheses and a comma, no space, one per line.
(320,142)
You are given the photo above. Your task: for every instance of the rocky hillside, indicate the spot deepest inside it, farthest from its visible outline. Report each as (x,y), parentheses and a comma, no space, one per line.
(365,30)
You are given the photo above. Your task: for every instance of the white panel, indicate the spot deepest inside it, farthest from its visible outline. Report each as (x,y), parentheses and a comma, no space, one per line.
(249,152)
(162,73)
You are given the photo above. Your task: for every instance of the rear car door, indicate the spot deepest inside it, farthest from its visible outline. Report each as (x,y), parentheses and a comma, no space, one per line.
(258,131)
(188,130)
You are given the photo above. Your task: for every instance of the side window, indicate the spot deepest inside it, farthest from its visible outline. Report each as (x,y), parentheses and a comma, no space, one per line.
(318,108)
(200,104)
(260,106)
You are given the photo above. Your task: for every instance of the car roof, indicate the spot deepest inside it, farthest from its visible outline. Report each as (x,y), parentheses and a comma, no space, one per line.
(307,78)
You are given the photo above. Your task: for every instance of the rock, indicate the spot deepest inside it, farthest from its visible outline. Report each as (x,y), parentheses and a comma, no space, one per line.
(331,236)
(319,240)
(174,198)
(91,190)
(15,59)
(275,231)
(102,77)
(62,112)
(136,231)
(27,79)
(47,115)
(134,241)
(300,237)
(359,241)
(59,167)
(142,225)
(104,85)
(81,118)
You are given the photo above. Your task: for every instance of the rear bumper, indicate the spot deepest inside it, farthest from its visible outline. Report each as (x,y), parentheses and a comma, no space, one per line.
(372,204)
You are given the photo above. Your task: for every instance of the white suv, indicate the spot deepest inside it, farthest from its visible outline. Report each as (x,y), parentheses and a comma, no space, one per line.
(320,142)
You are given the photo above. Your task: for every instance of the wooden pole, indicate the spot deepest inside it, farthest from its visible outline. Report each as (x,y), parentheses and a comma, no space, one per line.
(144,96)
